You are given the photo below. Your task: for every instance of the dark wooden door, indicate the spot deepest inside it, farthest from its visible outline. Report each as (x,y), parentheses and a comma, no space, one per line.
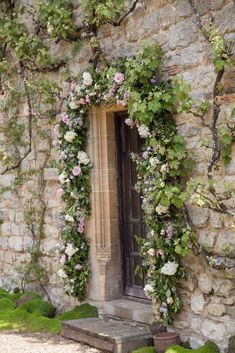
(130,212)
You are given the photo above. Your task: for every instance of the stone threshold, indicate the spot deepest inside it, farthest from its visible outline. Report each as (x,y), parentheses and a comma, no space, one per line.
(130,310)
(109,334)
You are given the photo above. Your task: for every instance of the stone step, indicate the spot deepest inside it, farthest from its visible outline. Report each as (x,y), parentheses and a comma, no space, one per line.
(130,310)
(109,335)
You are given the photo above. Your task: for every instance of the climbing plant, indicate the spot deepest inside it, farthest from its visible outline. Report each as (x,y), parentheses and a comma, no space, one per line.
(31,99)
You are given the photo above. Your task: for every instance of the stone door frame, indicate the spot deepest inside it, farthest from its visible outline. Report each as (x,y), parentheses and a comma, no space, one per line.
(103,225)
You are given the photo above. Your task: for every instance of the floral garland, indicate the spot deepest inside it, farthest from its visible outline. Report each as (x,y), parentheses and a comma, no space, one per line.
(132,83)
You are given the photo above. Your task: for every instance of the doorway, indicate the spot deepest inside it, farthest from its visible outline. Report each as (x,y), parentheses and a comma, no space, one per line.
(131,217)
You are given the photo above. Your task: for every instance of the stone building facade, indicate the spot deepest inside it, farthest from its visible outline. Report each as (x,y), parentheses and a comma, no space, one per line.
(209,295)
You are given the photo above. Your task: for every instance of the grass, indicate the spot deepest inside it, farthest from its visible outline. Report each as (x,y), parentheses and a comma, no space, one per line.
(209,347)
(30,316)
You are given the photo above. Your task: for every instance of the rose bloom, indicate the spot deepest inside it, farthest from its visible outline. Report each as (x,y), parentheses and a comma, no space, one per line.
(78,267)
(151,252)
(128,122)
(76,170)
(119,78)
(59,192)
(70,136)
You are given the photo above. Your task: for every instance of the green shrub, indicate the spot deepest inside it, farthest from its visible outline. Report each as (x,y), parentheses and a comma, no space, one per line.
(39,306)
(7,304)
(79,312)
(209,347)
(145,350)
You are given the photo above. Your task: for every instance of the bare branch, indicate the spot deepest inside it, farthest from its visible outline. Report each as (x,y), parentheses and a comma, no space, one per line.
(131,9)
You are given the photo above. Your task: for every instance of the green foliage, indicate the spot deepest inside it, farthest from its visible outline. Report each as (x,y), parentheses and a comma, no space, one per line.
(209,347)
(57,17)
(103,11)
(220,49)
(39,306)
(79,312)
(7,304)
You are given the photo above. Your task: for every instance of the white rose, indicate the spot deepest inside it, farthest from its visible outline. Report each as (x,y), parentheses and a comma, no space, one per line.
(61,273)
(148,290)
(69,218)
(70,136)
(161,209)
(83,157)
(72,104)
(62,178)
(170,268)
(87,79)
(143,131)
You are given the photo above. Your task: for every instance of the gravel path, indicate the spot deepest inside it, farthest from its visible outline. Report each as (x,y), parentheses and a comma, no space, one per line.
(40,343)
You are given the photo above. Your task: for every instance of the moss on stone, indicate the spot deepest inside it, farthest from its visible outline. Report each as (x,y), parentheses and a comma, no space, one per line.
(6,304)
(31,294)
(231,346)
(145,350)
(209,347)
(21,319)
(39,306)
(79,312)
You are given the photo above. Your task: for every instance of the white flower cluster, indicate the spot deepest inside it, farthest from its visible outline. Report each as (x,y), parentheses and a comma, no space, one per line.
(143,131)
(87,79)
(70,250)
(161,209)
(69,218)
(73,104)
(83,158)
(61,273)
(170,268)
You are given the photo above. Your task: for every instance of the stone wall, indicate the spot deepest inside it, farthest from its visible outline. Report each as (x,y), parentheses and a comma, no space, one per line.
(209,295)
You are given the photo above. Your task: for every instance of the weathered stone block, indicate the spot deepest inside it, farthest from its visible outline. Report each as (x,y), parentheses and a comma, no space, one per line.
(225,244)
(16,243)
(213,331)
(205,283)
(216,309)
(198,302)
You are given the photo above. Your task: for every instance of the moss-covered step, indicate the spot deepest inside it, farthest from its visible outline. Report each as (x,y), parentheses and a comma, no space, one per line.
(209,347)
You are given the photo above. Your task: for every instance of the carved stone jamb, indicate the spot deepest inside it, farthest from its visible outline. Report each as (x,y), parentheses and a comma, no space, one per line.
(103,225)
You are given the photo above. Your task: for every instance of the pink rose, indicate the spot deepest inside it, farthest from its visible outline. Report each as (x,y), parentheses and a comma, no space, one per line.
(151,252)
(76,170)
(78,267)
(121,103)
(59,192)
(129,122)
(119,78)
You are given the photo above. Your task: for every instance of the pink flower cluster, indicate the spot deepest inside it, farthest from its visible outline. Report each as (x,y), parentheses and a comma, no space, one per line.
(169,232)
(65,118)
(119,78)
(81,226)
(78,267)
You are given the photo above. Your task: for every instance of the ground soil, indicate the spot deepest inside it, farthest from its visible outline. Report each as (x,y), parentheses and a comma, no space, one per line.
(13,342)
